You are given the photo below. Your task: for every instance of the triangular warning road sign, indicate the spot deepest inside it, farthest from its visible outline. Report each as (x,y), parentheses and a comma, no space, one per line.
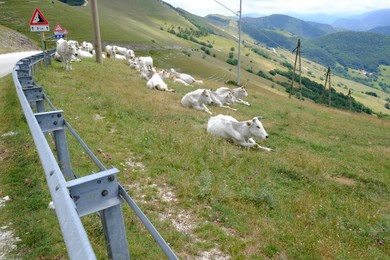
(58,28)
(38,18)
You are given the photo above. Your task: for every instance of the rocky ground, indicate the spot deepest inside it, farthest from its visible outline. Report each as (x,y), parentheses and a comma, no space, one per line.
(12,41)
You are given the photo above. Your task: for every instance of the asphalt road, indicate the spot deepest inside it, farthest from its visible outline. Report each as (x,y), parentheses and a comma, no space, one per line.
(8,61)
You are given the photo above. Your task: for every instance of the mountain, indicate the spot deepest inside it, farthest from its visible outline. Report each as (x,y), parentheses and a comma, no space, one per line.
(365,21)
(383,30)
(288,24)
(318,17)
(369,51)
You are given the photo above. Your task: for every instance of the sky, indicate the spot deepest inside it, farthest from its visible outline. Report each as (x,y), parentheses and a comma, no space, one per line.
(267,7)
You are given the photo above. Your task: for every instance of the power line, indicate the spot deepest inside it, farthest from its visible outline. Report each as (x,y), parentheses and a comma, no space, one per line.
(238,13)
(234,12)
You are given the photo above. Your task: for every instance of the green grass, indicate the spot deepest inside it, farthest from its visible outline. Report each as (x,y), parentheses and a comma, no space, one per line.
(323,193)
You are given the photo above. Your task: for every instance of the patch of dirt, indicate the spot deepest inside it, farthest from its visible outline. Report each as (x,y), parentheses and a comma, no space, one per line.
(184,221)
(7,239)
(343,180)
(4,153)
(97,117)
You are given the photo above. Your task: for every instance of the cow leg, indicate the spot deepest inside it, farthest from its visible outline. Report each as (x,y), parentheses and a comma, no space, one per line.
(228,107)
(264,148)
(206,109)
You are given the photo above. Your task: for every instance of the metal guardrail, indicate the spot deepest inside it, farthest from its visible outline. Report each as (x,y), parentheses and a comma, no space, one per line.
(75,197)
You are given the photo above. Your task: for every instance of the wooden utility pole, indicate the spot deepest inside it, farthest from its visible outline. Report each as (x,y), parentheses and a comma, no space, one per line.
(96,30)
(330,86)
(297,51)
(327,79)
(350,100)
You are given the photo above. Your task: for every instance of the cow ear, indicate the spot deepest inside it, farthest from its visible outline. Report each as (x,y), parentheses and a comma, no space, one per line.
(248,123)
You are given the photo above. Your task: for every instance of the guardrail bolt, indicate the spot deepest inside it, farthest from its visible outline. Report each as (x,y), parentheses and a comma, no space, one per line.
(104,193)
(111,178)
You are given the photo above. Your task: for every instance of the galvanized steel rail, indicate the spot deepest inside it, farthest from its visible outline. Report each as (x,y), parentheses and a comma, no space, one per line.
(75,197)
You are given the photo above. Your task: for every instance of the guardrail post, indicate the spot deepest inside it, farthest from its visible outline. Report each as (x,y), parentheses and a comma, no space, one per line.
(115,233)
(53,121)
(35,97)
(63,153)
(100,193)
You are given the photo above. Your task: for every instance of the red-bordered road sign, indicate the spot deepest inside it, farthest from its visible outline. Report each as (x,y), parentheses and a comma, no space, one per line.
(58,31)
(38,22)
(58,28)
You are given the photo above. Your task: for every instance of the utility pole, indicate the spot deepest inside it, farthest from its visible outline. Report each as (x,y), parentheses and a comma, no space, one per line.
(297,51)
(350,100)
(239,47)
(327,79)
(96,30)
(238,13)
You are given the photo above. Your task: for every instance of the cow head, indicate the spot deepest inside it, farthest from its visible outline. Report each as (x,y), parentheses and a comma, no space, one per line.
(256,128)
(242,92)
(206,97)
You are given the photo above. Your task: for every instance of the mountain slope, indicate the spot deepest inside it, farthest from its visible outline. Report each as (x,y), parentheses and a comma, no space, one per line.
(382,29)
(366,21)
(289,24)
(339,45)
(121,21)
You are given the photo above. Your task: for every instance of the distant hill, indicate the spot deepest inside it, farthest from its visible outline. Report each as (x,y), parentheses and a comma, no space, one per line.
(316,17)
(358,50)
(289,24)
(219,20)
(383,30)
(365,22)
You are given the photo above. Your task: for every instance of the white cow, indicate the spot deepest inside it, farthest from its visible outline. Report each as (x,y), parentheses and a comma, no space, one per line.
(221,99)
(241,133)
(144,62)
(157,82)
(146,74)
(111,51)
(120,57)
(65,52)
(185,77)
(87,46)
(59,41)
(84,54)
(128,53)
(180,81)
(198,99)
(238,93)
(74,43)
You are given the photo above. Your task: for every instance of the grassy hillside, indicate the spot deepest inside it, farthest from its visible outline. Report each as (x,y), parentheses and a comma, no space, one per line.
(321,194)
(144,25)
(122,21)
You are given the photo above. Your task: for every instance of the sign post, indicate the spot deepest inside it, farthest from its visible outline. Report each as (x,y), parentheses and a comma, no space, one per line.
(38,23)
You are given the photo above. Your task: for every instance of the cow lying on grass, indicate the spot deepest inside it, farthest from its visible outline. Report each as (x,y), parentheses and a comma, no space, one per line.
(240,133)
(184,77)
(198,99)
(238,93)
